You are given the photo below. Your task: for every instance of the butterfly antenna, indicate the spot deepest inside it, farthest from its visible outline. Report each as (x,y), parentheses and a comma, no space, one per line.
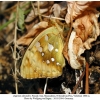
(45,87)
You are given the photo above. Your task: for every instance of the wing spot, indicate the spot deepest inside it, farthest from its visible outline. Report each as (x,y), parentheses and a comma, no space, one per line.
(37,44)
(57,63)
(50,47)
(52,59)
(42,54)
(46,37)
(39,49)
(48,62)
(56,50)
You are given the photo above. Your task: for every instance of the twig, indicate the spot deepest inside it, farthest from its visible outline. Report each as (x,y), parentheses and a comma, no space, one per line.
(53,17)
(33,8)
(98,42)
(45,87)
(87,73)
(10,9)
(39,10)
(15,60)
(76,86)
(87,79)
(79,89)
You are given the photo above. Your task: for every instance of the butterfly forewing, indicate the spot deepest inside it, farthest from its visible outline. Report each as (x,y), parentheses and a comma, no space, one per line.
(44,58)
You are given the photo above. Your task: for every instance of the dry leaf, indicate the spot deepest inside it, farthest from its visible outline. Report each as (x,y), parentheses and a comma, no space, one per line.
(59,10)
(33,14)
(86,30)
(84,24)
(56,10)
(76,8)
(26,40)
(74,47)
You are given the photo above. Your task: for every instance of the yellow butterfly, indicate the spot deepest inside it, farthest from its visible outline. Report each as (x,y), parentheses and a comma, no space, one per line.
(44,58)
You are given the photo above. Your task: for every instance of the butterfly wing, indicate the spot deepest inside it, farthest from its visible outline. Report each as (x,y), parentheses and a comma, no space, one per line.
(44,58)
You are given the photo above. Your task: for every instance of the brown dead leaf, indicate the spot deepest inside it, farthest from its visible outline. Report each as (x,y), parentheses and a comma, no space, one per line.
(75,49)
(84,25)
(33,14)
(76,8)
(56,10)
(77,42)
(86,30)
(26,40)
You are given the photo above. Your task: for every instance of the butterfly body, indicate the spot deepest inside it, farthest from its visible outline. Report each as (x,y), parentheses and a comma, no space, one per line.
(44,58)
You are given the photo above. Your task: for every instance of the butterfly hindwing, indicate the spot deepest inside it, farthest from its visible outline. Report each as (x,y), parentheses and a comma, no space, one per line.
(44,58)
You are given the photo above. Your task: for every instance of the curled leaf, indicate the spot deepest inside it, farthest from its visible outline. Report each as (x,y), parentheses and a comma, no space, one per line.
(74,48)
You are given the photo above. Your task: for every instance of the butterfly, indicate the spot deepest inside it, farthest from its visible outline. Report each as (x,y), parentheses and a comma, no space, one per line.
(44,58)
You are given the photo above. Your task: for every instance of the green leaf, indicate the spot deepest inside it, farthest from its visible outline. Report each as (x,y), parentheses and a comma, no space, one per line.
(21,17)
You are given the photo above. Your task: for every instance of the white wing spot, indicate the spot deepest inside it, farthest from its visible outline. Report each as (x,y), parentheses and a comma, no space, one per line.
(39,49)
(46,37)
(57,63)
(48,61)
(52,59)
(37,44)
(42,54)
(50,47)
(56,50)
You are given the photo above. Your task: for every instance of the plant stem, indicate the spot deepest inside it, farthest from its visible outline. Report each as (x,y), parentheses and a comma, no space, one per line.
(45,87)
(87,79)
(39,10)
(80,79)
(15,57)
